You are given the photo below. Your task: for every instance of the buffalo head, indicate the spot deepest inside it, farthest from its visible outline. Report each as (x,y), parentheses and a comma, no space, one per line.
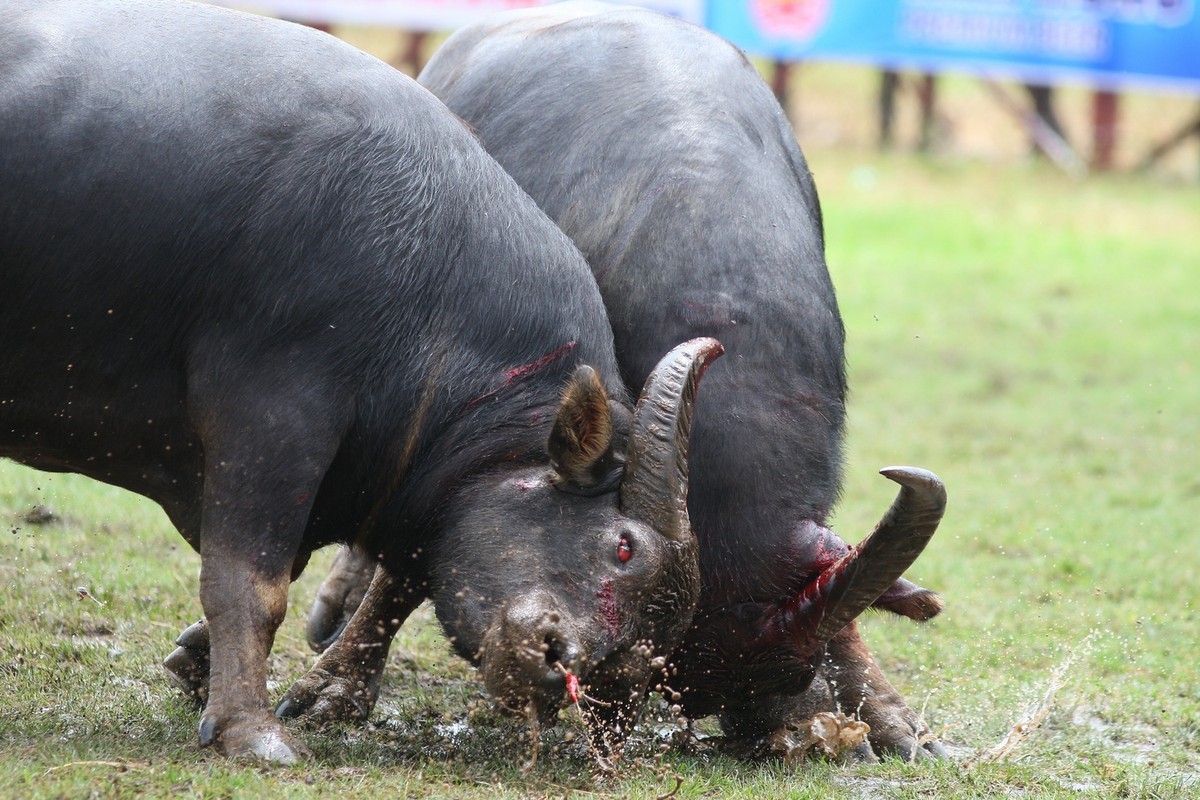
(574,579)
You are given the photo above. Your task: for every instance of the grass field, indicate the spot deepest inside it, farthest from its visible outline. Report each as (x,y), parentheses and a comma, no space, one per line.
(1033,340)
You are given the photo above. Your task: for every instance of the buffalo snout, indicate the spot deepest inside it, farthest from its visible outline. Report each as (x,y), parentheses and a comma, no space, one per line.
(528,652)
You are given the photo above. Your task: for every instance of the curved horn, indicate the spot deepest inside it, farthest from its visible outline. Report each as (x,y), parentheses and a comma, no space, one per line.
(846,588)
(654,487)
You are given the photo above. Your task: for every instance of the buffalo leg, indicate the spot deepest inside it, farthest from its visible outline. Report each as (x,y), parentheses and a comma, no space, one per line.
(861,688)
(344,683)
(244,607)
(849,681)
(267,445)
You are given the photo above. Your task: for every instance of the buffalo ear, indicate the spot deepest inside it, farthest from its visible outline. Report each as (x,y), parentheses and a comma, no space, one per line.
(580,443)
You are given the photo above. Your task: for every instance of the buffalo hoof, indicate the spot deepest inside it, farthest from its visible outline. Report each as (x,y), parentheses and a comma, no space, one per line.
(321,697)
(256,736)
(340,595)
(188,664)
(897,732)
(326,621)
(913,748)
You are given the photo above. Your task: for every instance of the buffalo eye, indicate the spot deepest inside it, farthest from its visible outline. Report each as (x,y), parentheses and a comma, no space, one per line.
(624,548)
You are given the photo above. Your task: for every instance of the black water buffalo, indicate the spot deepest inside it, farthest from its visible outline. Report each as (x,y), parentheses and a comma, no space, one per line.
(274,285)
(658,149)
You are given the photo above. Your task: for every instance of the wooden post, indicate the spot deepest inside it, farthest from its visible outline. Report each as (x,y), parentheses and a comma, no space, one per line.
(779,85)
(927,97)
(889,81)
(410,58)
(1104,129)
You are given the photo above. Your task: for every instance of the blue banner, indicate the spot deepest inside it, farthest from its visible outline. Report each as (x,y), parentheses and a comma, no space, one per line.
(1109,43)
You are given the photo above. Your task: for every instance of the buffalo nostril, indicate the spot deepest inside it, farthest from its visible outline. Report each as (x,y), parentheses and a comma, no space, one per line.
(554,650)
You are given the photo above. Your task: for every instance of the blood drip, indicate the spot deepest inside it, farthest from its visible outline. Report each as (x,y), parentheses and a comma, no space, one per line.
(573,687)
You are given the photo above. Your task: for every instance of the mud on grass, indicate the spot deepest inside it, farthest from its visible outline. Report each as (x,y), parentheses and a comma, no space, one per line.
(85,709)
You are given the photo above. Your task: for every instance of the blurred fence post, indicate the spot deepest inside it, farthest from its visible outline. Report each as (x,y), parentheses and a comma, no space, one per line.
(781,85)
(1104,129)
(927,99)
(889,80)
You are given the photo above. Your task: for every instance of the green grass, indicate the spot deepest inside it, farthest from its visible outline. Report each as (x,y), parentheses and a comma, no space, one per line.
(1032,340)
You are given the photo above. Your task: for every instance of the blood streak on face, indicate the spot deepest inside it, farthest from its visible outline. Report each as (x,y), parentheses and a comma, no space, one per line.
(608,609)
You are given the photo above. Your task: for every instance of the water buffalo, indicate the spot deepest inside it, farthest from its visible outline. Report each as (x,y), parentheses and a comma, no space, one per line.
(658,149)
(274,285)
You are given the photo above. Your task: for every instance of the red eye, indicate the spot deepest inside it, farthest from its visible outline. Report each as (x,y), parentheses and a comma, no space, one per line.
(624,548)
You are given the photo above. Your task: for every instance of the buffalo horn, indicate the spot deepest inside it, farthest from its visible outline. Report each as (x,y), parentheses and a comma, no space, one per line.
(845,589)
(654,487)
